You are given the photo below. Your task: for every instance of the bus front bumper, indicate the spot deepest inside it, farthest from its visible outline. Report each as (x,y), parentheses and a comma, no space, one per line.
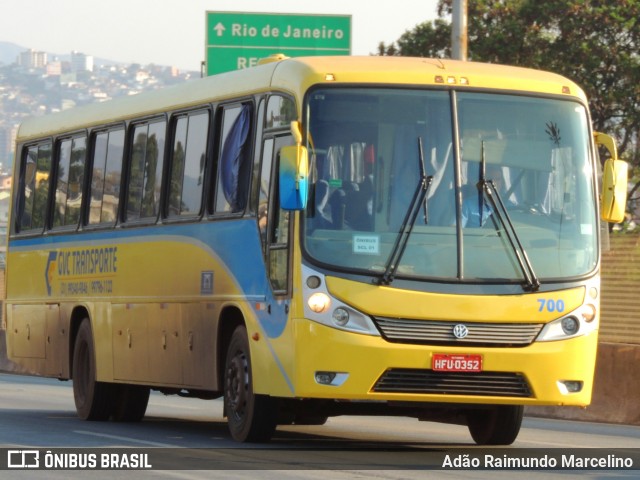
(335,364)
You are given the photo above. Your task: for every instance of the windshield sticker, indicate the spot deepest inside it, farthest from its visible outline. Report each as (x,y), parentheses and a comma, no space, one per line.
(366,244)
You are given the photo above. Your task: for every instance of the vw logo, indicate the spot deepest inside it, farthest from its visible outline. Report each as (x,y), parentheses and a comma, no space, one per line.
(460,331)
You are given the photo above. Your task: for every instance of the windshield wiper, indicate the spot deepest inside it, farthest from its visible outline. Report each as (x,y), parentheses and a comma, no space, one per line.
(488,187)
(419,198)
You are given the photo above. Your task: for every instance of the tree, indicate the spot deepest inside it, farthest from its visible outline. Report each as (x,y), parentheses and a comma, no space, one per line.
(429,39)
(593,42)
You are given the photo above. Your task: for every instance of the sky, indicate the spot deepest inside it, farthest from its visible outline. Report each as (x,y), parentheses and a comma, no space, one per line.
(172,32)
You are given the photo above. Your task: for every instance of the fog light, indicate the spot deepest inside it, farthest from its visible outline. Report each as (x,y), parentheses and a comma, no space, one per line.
(325,378)
(319,302)
(335,379)
(340,316)
(570,325)
(572,386)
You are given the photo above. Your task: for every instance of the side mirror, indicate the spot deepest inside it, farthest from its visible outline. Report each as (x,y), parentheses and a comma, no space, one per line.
(294,173)
(614,182)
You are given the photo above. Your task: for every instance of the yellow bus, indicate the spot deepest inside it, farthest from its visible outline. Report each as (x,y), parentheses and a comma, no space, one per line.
(314,237)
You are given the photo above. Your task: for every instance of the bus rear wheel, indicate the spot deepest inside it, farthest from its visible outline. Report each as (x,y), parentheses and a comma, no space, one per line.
(130,403)
(498,425)
(93,399)
(251,417)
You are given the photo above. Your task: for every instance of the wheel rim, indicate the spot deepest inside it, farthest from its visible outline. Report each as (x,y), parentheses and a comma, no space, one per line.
(237,385)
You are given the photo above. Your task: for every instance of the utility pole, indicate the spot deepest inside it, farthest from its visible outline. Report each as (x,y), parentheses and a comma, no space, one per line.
(459,30)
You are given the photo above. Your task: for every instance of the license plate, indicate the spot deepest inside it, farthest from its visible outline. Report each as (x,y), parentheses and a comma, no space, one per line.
(442,362)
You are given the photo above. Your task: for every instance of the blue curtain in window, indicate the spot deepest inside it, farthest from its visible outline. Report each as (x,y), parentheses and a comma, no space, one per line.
(235,162)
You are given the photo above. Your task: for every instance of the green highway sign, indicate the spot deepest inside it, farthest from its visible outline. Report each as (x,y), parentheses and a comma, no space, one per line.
(236,40)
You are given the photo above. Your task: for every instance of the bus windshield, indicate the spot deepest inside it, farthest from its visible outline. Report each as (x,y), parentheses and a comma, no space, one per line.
(461,155)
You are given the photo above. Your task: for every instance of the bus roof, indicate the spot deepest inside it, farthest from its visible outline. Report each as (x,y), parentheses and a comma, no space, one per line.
(295,75)
(423,71)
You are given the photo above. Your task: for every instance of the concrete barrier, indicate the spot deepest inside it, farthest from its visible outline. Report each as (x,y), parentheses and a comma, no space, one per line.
(616,394)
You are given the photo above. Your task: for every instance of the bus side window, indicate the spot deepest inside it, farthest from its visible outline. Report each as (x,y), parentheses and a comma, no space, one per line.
(71,158)
(105,176)
(187,163)
(35,193)
(234,164)
(145,171)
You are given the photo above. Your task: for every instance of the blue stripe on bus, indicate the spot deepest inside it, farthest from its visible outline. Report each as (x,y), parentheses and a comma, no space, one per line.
(235,242)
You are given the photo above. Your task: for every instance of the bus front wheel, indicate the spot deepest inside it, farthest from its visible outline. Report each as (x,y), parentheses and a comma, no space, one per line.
(93,399)
(251,417)
(498,425)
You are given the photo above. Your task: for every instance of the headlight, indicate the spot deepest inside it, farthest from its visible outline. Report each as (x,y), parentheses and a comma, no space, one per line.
(319,302)
(577,323)
(321,307)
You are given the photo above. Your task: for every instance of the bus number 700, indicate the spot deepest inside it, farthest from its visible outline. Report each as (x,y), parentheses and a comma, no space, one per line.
(551,305)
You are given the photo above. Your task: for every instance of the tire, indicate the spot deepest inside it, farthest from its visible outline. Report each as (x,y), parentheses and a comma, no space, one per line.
(93,399)
(250,417)
(498,425)
(310,419)
(130,403)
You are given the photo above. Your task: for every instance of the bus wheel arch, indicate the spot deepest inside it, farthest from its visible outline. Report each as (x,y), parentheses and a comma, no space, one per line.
(230,318)
(251,417)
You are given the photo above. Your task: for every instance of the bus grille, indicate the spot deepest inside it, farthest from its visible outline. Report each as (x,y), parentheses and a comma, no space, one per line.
(496,384)
(441,332)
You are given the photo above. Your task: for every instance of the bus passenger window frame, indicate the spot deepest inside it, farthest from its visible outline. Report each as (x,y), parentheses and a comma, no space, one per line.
(166,207)
(164,153)
(72,137)
(219,204)
(20,204)
(87,200)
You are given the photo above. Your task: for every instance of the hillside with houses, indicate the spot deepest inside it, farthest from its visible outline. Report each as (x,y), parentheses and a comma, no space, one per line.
(34,83)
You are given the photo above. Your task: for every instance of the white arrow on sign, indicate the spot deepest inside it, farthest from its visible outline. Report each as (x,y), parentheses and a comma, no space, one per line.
(219,28)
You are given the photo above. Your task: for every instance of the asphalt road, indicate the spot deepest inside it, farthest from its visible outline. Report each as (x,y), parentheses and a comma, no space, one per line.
(188,438)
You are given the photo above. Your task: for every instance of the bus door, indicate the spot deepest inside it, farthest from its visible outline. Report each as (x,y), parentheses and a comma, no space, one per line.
(274,222)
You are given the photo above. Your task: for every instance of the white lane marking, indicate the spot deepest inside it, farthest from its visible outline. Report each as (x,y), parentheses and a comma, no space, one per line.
(126,439)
